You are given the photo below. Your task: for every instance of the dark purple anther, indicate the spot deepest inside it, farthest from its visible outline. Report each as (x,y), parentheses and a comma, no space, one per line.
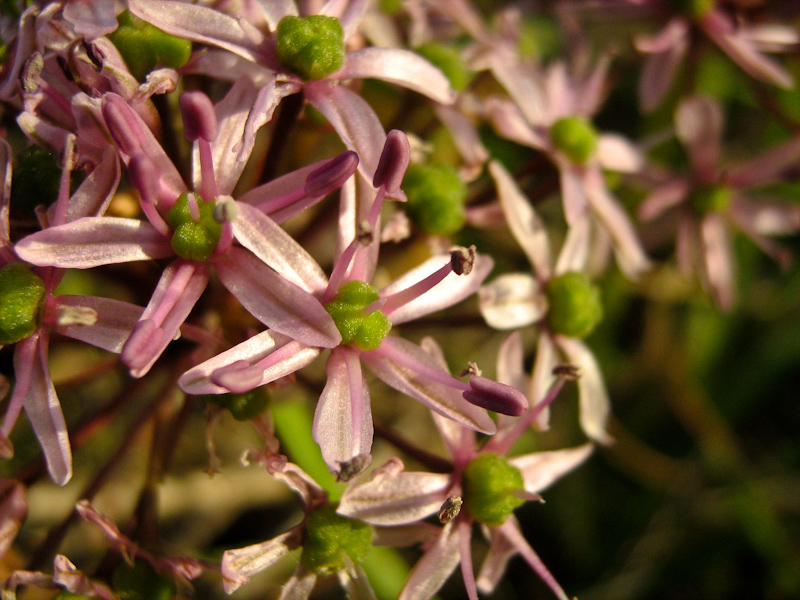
(122,124)
(331,175)
(463,259)
(144,342)
(495,396)
(393,162)
(238,377)
(199,118)
(143,175)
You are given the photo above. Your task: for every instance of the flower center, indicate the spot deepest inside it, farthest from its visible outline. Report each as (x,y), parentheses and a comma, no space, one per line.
(710,198)
(145,47)
(365,331)
(312,47)
(195,236)
(490,486)
(575,307)
(329,536)
(575,137)
(21,293)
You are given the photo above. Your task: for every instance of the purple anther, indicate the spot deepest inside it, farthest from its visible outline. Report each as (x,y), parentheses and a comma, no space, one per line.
(495,396)
(144,176)
(145,341)
(331,175)
(463,259)
(238,377)
(122,124)
(393,162)
(199,118)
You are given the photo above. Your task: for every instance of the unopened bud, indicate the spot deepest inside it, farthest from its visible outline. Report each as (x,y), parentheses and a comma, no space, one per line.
(494,396)
(393,162)
(199,118)
(331,175)
(463,259)
(450,509)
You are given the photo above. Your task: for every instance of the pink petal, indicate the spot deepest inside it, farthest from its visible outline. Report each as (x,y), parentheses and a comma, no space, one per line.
(663,198)
(343,419)
(616,153)
(94,241)
(575,252)
(717,260)
(299,586)
(398,66)
(109,327)
(238,565)
(95,193)
(496,561)
(435,566)
(13,510)
(542,469)
(276,302)
(698,124)
(665,51)
(767,167)
(512,124)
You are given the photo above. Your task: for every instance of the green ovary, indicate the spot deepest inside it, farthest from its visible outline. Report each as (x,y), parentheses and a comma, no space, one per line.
(366,332)
(145,47)
(193,240)
(329,536)
(490,485)
(711,198)
(575,307)
(436,196)
(21,293)
(312,47)
(575,137)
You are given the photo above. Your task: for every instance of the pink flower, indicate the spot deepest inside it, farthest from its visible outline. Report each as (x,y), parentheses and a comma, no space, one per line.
(461,497)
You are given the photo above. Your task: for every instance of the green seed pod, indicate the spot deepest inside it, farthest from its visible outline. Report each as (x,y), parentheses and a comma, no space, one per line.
(366,332)
(329,536)
(449,60)
(312,47)
(21,293)
(489,486)
(140,581)
(247,406)
(575,307)
(193,240)
(576,137)
(709,199)
(145,47)
(436,196)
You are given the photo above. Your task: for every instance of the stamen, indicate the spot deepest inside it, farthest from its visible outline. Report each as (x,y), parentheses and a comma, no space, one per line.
(389,351)
(494,396)
(144,177)
(465,552)
(393,162)
(349,469)
(413,292)
(67,165)
(194,209)
(331,175)
(463,259)
(567,371)
(238,377)
(450,509)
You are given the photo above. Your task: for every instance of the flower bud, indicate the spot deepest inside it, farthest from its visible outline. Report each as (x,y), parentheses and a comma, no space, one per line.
(575,307)
(575,137)
(21,293)
(145,47)
(312,47)
(436,195)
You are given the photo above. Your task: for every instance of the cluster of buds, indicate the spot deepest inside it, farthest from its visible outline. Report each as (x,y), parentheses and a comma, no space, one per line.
(168,134)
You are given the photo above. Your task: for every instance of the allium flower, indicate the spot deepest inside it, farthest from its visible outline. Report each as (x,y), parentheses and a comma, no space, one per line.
(299,53)
(364,316)
(550,111)
(29,311)
(711,200)
(200,228)
(559,298)
(483,487)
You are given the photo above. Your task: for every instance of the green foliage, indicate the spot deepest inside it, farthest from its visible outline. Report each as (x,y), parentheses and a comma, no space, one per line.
(329,536)
(489,485)
(312,47)
(710,198)
(436,196)
(140,581)
(35,180)
(21,293)
(347,309)
(194,240)
(575,306)
(145,47)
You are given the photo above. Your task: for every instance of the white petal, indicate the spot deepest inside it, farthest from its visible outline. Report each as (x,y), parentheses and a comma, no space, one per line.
(238,565)
(435,566)
(541,469)
(512,301)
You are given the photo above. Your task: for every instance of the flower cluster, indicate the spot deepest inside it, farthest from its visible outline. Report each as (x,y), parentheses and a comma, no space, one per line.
(243,204)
